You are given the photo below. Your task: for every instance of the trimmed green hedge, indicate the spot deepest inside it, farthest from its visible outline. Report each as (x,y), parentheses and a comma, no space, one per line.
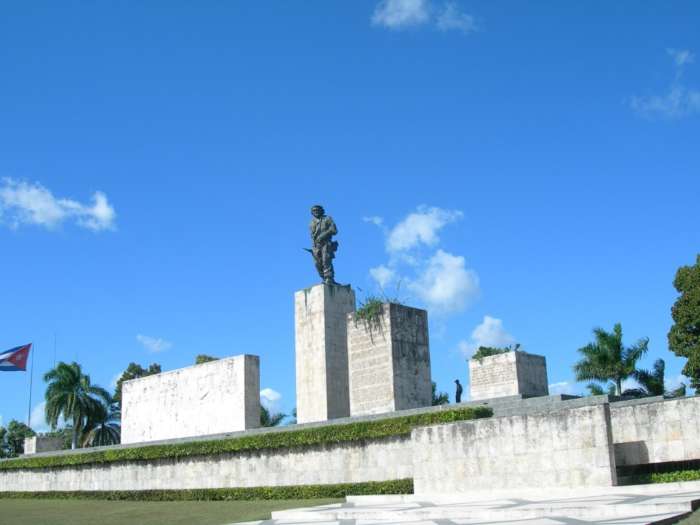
(331,434)
(399,486)
(663,477)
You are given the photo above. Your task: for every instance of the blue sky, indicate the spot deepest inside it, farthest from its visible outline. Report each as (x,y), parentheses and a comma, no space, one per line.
(526,171)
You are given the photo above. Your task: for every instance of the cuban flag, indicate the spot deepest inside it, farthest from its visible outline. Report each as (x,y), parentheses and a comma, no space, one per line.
(15,360)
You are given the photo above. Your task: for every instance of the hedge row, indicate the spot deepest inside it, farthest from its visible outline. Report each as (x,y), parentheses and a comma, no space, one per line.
(341,433)
(663,477)
(399,486)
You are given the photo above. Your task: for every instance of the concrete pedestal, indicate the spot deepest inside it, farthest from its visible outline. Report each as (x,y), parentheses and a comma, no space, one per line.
(322,352)
(509,374)
(211,398)
(36,444)
(389,361)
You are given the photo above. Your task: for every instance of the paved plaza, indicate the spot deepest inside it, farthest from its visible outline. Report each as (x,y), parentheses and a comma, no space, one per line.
(632,505)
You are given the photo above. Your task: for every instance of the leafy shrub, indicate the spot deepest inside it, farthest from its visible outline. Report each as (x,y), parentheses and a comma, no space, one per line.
(330,434)
(399,486)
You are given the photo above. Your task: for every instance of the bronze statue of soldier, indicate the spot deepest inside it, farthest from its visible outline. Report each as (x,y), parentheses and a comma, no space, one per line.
(323,249)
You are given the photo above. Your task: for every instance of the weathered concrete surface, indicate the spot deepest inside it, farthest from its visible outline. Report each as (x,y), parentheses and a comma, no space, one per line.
(653,431)
(372,460)
(37,444)
(569,448)
(531,440)
(509,374)
(389,361)
(214,397)
(322,352)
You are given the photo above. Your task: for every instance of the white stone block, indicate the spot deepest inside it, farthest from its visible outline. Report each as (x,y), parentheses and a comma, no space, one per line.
(389,361)
(212,398)
(36,444)
(322,352)
(508,374)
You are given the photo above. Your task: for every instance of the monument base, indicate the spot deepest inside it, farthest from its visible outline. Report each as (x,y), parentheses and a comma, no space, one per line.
(389,361)
(321,351)
(509,374)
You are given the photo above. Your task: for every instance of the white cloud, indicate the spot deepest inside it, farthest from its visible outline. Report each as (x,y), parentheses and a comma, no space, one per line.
(489,332)
(681,57)
(382,275)
(446,284)
(154,344)
(450,17)
(37,418)
(374,219)
(678,101)
(270,399)
(402,14)
(25,203)
(398,14)
(562,387)
(420,227)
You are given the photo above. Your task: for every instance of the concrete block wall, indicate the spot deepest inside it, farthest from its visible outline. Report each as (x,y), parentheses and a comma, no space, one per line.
(389,361)
(508,374)
(211,398)
(568,448)
(321,352)
(38,444)
(375,460)
(656,431)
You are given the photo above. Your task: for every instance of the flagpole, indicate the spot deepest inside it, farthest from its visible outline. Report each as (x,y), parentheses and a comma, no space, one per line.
(31,380)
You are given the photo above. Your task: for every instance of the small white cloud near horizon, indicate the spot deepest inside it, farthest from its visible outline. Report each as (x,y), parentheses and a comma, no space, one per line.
(403,14)
(678,101)
(270,399)
(489,332)
(153,344)
(382,275)
(446,284)
(420,227)
(37,418)
(561,387)
(23,203)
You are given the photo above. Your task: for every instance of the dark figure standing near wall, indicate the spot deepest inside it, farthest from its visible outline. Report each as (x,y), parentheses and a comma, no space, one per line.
(458,393)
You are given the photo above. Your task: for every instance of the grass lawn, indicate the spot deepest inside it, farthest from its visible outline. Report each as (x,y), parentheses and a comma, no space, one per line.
(89,512)
(693,519)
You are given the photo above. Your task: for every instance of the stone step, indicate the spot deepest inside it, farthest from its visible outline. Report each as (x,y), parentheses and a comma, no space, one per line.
(415,511)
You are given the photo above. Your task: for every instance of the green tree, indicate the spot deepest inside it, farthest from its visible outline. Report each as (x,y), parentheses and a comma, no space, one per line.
(204,358)
(269,419)
(104,426)
(597,390)
(133,371)
(684,336)
(71,395)
(607,359)
(12,438)
(439,398)
(653,382)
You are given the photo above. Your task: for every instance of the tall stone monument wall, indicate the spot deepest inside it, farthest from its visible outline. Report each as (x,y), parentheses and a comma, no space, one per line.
(389,361)
(321,351)
(211,398)
(509,374)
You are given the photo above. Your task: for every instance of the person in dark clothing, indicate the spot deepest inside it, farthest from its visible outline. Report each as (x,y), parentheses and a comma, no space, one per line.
(458,394)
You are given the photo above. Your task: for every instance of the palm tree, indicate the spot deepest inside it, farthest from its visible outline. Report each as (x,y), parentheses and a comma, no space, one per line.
(104,426)
(268,419)
(70,395)
(652,383)
(607,359)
